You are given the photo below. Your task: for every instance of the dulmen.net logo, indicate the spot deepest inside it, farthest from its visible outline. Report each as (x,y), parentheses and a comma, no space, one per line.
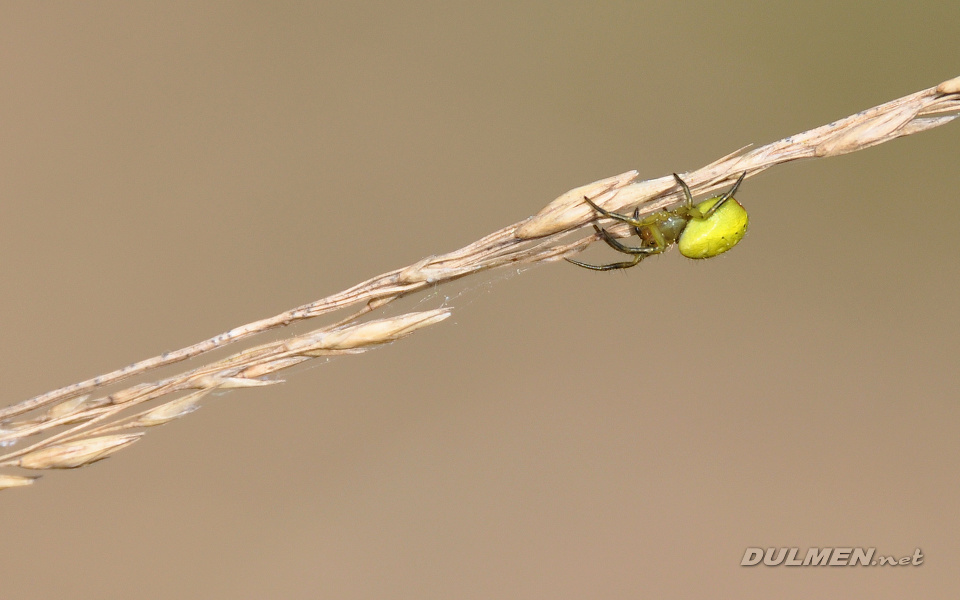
(826,557)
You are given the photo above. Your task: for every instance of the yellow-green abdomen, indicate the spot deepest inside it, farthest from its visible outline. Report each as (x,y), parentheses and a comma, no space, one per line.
(705,238)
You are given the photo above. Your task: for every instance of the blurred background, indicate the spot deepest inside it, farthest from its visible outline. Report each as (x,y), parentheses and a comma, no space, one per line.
(172,170)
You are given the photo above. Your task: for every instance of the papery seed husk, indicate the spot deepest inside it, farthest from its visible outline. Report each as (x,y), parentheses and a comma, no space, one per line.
(67,407)
(170,411)
(9,481)
(376,332)
(71,455)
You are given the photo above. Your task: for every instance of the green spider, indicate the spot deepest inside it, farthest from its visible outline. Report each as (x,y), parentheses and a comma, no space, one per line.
(701,230)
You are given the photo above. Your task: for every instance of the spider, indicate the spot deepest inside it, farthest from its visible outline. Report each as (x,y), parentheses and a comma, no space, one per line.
(701,230)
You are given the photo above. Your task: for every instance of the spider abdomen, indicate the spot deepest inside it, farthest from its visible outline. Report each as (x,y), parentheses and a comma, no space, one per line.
(706,238)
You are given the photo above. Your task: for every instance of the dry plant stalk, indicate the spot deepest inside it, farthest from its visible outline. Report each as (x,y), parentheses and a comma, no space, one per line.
(76,428)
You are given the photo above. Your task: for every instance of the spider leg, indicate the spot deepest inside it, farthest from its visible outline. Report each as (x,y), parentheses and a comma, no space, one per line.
(725,197)
(637,252)
(686,190)
(620,247)
(610,267)
(693,211)
(613,215)
(733,190)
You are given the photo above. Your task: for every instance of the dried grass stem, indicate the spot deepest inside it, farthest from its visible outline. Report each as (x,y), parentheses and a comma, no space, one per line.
(87,432)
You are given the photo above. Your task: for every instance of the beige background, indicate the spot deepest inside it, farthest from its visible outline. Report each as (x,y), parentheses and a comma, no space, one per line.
(168,172)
